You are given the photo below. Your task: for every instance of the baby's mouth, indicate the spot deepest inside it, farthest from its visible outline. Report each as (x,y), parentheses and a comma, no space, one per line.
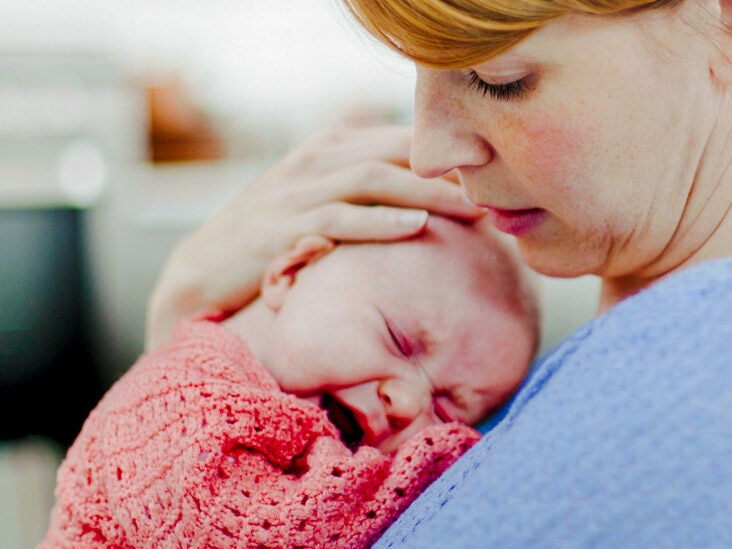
(345,421)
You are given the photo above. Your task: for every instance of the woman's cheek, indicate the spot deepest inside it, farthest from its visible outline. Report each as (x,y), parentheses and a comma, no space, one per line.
(545,150)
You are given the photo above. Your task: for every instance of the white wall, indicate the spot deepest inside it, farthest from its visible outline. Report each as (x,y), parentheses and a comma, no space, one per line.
(269,63)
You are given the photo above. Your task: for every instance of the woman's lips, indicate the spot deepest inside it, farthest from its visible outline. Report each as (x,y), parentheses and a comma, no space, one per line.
(516,222)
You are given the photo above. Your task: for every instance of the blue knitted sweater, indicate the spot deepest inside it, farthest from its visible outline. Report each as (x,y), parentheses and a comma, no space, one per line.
(621,436)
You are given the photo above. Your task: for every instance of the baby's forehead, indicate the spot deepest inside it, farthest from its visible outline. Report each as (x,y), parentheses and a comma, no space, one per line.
(449,259)
(452,246)
(427,257)
(447,255)
(449,268)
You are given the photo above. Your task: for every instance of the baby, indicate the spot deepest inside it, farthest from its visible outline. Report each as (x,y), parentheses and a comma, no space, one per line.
(314,415)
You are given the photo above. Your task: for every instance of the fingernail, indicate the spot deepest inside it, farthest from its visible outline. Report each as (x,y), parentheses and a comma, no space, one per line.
(469,202)
(413,218)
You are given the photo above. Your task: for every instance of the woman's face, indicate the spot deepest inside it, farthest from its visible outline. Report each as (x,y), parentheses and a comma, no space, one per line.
(583,140)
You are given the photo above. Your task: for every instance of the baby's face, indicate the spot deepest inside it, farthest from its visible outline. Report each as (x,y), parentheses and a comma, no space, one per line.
(391,338)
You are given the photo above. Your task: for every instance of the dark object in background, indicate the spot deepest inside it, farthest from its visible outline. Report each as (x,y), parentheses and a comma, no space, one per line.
(48,383)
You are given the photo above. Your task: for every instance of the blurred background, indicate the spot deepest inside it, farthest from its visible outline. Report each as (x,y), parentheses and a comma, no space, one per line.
(122,126)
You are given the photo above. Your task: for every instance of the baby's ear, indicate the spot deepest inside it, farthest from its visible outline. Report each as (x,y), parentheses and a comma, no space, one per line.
(281,273)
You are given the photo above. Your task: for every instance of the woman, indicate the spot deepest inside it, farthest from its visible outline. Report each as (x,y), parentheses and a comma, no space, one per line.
(597,132)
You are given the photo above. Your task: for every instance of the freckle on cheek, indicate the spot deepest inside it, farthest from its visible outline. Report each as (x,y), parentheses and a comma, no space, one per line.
(548,147)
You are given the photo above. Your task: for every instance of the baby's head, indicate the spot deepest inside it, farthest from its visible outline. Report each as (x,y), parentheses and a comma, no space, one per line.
(390,338)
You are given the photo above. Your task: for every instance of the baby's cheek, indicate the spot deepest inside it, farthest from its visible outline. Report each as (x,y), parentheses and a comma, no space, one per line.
(285,364)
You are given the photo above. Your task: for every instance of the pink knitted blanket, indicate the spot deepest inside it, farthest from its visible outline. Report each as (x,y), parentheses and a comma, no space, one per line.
(196,446)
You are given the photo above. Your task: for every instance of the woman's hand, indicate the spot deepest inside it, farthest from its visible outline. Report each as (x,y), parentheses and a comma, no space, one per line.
(344,184)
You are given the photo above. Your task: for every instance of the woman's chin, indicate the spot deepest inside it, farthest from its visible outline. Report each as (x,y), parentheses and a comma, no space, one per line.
(565,261)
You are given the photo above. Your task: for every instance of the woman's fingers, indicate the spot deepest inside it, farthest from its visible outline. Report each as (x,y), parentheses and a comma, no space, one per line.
(363,166)
(338,147)
(366,183)
(369,201)
(384,183)
(348,222)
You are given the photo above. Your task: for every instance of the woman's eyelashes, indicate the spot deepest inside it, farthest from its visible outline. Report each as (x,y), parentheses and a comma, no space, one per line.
(500,92)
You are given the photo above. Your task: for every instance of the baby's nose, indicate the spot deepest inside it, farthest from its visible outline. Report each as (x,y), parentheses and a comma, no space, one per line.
(403,400)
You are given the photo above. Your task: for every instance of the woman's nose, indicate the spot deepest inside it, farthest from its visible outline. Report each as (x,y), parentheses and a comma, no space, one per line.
(403,400)
(444,136)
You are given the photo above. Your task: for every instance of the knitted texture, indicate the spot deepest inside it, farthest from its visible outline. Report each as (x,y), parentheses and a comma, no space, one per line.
(196,446)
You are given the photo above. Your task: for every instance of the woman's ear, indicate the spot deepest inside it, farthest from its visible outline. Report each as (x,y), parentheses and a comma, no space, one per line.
(282,271)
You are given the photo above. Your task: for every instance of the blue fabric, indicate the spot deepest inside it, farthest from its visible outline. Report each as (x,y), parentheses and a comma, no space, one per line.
(621,436)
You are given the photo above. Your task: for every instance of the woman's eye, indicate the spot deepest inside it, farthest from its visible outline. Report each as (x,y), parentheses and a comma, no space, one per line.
(401,342)
(500,92)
